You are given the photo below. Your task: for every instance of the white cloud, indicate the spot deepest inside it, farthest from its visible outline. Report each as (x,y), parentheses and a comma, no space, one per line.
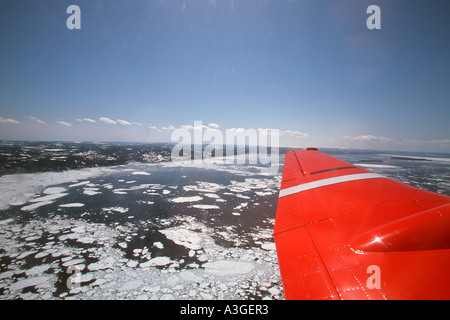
(86,119)
(294,133)
(64,123)
(191,127)
(442,141)
(269,131)
(36,119)
(170,127)
(202,127)
(107,120)
(238,130)
(123,122)
(152,126)
(368,137)
(213,125)
(3,120)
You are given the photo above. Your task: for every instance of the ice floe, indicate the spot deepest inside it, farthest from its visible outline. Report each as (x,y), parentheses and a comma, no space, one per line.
(72,205)
(116,209)
(36,205)
(19,188)
(6,221)
(140,173)
(268,246)
(158,245)
(50,197)
(211,195)
(91,191)
(184,237)
(54,190)
(205,206)
(186,199)
(79,184)
(158,261)
(227,268)
(29,282)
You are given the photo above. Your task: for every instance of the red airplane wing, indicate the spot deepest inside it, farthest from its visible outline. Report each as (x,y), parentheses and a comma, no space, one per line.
(343,232)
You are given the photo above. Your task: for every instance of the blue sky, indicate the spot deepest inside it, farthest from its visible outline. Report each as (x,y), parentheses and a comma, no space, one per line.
(310,68)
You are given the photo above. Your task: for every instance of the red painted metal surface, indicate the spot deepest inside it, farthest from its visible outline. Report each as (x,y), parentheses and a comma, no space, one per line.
(343,232)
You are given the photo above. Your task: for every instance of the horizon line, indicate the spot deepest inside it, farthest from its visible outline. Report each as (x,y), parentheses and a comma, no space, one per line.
(175,143)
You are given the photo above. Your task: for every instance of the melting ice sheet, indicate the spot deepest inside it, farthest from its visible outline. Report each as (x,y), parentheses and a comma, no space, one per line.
(139,231)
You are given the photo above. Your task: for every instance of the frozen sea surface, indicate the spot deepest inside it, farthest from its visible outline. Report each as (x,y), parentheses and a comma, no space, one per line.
(158,231)
(139,231)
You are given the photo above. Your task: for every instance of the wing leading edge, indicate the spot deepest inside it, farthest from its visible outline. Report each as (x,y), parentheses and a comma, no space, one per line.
(343,232)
